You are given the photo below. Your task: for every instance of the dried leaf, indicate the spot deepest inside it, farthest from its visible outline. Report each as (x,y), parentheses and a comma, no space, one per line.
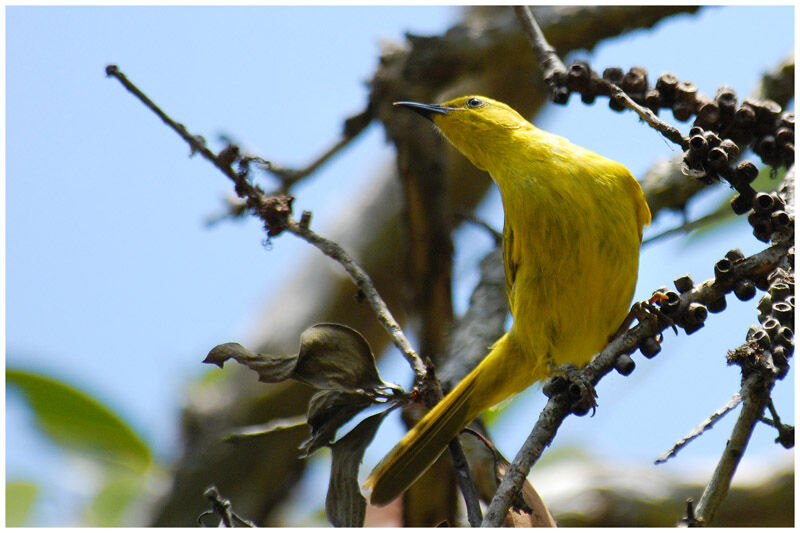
(333,356)
(345,506)
(530,510)
(270,368)
(327,412)
(260,430)
(488,468)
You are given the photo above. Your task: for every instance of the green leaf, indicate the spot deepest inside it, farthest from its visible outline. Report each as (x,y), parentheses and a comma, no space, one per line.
(114,498)
(79,422)
(20,496)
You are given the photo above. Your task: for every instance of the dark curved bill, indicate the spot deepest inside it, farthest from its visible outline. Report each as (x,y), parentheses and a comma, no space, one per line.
(426,110)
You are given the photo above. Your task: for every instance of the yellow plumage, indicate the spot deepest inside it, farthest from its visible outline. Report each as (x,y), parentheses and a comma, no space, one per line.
(573,227)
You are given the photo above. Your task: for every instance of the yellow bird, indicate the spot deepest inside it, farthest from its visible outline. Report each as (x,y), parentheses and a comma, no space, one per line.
(573,228)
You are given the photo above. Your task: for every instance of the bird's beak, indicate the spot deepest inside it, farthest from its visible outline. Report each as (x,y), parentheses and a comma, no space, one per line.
(426,110)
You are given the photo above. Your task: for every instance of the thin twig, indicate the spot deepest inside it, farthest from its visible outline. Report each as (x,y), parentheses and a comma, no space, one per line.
(554,71)
(291,176)
(755,394)
(696,432)
(689,226)
(196,142)
(466,483)
(670,132)
(363,282)
(265,207)
(776,420)
(472,219)
(552,66)
(221,506)
(275,211)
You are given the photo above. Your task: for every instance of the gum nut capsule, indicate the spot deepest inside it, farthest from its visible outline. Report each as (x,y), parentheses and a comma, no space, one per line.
(722,269)
(734,255)
(649,347)
(783,312)
(744,289)
(747,171)
(684,283)
(763,203)
(624,364)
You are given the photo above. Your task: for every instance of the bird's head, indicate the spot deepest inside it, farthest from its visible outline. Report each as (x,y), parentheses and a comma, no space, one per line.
(478,126)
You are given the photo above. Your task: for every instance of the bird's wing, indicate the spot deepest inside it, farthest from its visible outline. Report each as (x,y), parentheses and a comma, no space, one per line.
(509,261)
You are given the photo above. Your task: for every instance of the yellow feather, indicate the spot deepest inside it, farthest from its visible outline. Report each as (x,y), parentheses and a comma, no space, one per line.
(573,227)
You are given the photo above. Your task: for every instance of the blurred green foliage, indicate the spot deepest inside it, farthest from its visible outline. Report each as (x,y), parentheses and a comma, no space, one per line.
(81,425)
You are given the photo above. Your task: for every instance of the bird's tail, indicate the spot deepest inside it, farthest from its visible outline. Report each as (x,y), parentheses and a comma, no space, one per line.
(486,385)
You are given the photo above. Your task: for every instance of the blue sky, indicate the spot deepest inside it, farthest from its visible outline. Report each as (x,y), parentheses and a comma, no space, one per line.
(114,284)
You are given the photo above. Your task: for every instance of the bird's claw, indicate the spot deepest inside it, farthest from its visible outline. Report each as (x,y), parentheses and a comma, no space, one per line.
(647,311)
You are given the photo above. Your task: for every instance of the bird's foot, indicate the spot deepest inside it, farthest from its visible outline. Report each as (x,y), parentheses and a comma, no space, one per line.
(646,311)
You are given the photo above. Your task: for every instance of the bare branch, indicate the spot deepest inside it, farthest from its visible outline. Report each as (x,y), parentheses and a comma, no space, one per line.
(465,483)
(688,226)
(554,74)
(196,142)
(699,430)
(221,506)
(363,282)
(755,394)
(353,127)
(670,132)
(275,212)
(552,67)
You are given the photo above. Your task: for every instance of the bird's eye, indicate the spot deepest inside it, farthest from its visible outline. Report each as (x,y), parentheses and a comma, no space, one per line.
(475,102)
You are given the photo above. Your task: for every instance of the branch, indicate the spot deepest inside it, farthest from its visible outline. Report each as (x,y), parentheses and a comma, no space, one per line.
(196,142)
(275,212)
(670,132)
(755,394)
(465,483)
(363,282)
(555,75)
(699,430)
(221,506)
(481,324)
(666,187)
(763,359)
(688,226)
(559,405)
(353,126)
(553,69)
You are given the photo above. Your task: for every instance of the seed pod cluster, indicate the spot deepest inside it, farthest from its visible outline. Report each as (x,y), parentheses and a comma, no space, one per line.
(581,398)
(775,335)
(710,157)
(692,316)
(769,218)
(725,128)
